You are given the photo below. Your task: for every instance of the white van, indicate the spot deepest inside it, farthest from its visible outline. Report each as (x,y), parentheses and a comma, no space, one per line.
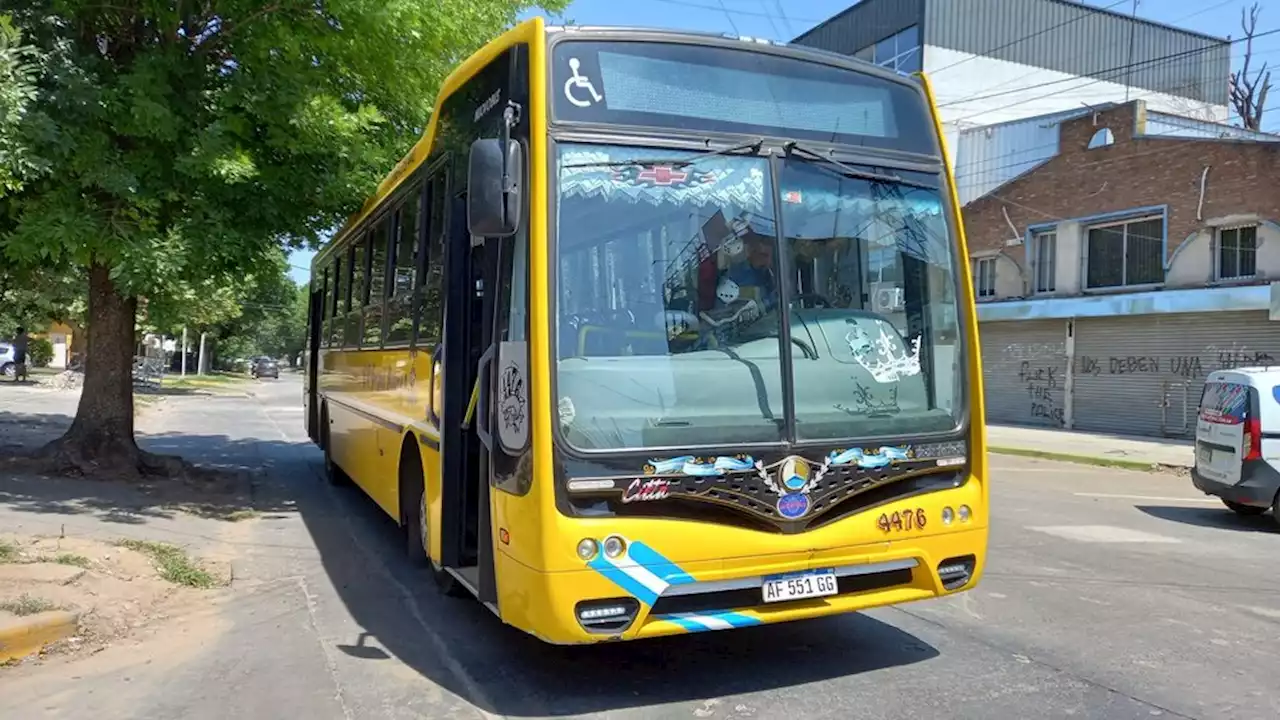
(1238,439)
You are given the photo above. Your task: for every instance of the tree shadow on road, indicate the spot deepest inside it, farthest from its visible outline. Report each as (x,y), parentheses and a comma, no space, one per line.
(1212,517)
(224,484)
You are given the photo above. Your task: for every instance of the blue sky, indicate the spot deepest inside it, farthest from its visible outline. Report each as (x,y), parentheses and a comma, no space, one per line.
(782,20)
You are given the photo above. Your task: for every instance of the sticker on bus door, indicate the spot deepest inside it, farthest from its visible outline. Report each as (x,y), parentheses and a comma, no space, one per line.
(512,399)
(1220,430)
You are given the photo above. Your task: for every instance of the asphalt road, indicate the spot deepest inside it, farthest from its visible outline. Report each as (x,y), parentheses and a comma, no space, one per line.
(1109,594)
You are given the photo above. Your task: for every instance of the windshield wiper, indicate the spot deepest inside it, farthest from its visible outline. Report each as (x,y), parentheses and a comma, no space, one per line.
(849,170)
(754,146)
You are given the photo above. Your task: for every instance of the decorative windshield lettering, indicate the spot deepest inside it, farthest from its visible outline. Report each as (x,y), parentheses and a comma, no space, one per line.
(643,490)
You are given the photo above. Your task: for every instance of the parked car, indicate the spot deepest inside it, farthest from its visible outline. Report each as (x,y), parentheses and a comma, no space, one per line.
(7,365)
(1238,440)
(265,367)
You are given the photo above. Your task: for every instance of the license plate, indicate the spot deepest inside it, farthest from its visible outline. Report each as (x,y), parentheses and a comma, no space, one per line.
(1205,456)
(818,583)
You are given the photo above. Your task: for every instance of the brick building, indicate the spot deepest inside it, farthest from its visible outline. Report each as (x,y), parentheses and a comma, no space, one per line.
(1129,254)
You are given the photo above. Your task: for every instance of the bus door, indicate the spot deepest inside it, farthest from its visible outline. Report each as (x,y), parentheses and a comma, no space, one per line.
(465,537)
(315,321)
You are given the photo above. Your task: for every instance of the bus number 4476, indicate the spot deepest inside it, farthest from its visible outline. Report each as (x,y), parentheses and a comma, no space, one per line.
(901,521)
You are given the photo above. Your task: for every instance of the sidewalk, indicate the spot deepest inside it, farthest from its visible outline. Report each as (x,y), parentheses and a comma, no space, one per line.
(1096,447)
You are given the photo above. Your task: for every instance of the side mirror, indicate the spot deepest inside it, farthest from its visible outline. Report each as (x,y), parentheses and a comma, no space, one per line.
(494,174)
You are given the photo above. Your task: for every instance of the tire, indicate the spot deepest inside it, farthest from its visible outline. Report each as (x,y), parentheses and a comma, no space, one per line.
(1243,510)
(332,472)
(9,370)
(1275,509)
(413,511)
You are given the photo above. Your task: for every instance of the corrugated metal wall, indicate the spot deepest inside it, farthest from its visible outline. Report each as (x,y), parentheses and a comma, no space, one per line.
(1024,371)
(1164,125)
(863,24)
(1092,44)
(1143,374)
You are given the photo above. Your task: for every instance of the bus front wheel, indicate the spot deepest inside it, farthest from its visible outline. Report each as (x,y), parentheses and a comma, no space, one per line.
(413,501)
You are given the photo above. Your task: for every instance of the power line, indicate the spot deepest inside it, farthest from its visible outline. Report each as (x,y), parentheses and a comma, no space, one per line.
(1088,51)
(1089,11)
(747,13)
(1150,61)
(1162,59)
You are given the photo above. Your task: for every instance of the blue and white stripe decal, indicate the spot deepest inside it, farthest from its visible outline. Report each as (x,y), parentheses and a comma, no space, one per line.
(643,572)
(701,622)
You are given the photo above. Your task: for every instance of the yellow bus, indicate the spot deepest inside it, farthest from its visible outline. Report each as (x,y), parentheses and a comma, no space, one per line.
(655,333)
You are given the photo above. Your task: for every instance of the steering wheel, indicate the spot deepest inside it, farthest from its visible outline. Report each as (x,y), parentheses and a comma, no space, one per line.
(814,298)
(621,313)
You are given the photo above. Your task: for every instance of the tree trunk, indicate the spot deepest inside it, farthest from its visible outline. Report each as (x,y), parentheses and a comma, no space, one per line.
(100,440)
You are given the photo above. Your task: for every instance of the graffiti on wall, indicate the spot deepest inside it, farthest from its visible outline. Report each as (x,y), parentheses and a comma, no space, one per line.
(1044,391)
(1190,367)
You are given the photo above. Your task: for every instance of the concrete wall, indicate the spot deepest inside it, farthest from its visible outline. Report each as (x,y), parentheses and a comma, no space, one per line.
(1194,263)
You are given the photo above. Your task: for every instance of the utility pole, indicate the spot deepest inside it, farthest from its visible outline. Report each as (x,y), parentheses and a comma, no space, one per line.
(200,364)
(184,351)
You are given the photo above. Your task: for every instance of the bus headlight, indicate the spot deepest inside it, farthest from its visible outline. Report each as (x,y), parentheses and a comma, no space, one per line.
(965,512)
(948,515)
(614,547)
(587,548)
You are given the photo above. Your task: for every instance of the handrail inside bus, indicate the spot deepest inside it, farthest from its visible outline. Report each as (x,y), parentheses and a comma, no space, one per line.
(471,406)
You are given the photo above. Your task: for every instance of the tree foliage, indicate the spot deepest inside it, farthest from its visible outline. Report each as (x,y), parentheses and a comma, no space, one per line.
(18,76)
(173,144)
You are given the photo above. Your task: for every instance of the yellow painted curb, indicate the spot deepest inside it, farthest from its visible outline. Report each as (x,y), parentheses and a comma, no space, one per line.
(29,635)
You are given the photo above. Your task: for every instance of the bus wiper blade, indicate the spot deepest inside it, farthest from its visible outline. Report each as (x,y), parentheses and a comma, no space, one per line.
(754,146)
(849,170)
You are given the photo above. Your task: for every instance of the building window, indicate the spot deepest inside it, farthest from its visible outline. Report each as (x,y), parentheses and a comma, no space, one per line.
(984,277)
(900,51)
(1237,253)
(1044,258)
(1130,252)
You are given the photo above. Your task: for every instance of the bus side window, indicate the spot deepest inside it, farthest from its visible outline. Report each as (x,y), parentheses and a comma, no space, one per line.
(429,292)
(326,311)
(430,295)
(358,292)
(404,261)
(377,287)
(337,308)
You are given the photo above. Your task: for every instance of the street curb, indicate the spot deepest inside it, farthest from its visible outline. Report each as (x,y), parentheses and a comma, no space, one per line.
(29,635)
(1090,460)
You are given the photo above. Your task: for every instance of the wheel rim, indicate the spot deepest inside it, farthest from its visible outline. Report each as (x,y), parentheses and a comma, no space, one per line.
(424,535)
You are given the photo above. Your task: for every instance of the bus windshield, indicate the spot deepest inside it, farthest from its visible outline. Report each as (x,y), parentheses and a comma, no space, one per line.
(670,312)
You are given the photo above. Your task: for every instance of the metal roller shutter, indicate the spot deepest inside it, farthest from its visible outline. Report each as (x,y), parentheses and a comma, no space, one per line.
(1143,374)
(1024,371)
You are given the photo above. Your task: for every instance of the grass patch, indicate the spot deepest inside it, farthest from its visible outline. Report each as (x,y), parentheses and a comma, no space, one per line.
(173,563)
(1078,459)
(8,552)
(72,559)
(27,605)
(216,380)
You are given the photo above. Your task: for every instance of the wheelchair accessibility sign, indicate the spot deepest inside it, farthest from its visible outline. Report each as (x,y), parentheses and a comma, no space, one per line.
(578,88)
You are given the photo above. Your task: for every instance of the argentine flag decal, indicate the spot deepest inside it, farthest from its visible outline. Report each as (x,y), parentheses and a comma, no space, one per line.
(642,572)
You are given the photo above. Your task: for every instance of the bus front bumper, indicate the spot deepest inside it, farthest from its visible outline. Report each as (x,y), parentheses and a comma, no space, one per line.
(714,599)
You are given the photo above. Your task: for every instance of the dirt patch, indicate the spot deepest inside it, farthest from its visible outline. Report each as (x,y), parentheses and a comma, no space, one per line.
(117,589)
